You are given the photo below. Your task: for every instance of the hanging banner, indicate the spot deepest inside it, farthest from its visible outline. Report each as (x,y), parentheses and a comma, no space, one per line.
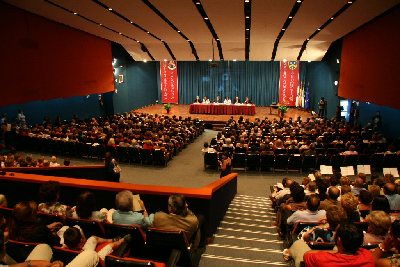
(169,81)
(288,82)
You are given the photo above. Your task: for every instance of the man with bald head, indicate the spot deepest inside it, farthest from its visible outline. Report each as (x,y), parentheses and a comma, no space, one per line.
(333,195)
(311,214)
(390,191)
(277,197)
(358,186)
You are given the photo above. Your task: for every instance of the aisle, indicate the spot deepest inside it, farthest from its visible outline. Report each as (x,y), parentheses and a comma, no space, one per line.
(246,236)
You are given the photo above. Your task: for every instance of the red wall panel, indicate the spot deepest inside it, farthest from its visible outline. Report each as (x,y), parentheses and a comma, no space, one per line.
(370,62)
(41,59)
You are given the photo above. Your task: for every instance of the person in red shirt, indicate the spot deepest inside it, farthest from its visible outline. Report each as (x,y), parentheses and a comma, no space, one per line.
(348,240)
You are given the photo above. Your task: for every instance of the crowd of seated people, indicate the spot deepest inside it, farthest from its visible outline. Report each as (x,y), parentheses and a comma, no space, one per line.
(18,159)
(311,137)
(369,205)
(100,134)
(28,221)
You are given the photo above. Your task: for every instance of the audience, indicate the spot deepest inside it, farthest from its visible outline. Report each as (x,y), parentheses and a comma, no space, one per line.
(86,208)
(49,193)
(311,214)
(378,226)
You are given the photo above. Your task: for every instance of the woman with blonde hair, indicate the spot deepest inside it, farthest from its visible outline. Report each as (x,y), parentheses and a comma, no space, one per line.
(378,226)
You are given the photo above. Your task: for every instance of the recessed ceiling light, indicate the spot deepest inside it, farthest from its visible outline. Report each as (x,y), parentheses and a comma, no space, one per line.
(308,39)
(332,18)
(198,3)
(234,59)
(217,39)
(206,18)
(318,29)
(120,33)
(188,40)
(75,13)
(137,41)
(179,31)
(290,17)
(298,1)
(246,1)
(210,60)
(350,2)
(110,8)
(131,21)
(283,29)
(148,32)
(247,17)
(100,24)
(247,29)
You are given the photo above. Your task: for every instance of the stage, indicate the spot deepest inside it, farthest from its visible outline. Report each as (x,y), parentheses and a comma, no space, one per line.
(261,112)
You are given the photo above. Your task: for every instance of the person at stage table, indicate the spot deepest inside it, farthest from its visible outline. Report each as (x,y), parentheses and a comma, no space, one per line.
(197,100)
(227,101)
(206,100)
(236,100)
(217,100)
(247,101)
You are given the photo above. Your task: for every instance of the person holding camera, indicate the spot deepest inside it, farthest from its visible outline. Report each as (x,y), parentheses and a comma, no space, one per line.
(225,164)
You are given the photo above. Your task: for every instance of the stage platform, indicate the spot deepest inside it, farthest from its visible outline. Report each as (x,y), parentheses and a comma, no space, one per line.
(183,110)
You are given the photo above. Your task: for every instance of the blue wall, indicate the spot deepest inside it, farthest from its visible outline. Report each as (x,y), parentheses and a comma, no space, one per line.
(390,118)
(140,87)
(82,106)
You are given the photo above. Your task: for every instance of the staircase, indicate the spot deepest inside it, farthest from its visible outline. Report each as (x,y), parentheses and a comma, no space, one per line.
(246,237)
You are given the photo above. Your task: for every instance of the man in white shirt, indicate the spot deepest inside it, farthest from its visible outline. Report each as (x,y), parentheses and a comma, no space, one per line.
(311,214)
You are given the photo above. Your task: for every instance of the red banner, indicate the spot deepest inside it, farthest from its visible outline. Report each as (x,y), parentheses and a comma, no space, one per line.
(169,81)
(288,82)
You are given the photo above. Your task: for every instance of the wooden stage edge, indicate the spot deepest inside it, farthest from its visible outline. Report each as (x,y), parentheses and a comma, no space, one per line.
(261,113)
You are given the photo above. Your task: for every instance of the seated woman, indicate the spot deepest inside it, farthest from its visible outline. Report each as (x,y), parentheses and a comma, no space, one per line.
(349,202)
(388,252)
(86,208)
(49,193)
(236,100)
(206,100)
(247,101)
(227,101)
(197,100)
(378,226)
(364,205)
(25,226)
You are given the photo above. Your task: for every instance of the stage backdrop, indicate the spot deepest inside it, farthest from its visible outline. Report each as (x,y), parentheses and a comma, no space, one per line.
(289,82)
(257,79)
(169,81)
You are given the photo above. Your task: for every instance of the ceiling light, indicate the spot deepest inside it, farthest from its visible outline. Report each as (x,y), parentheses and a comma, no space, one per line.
(318,29)
(110,8)
(100,24)
(217,39)
(188,40)
(247,29)
(283,29)
(332,18)
(246,1)
(120,33)
(247,17)
(308,61)
(298,1)
(206,18)
(336,82)
(162,40)
(284,60)
(234,59)
(198,3)
(131,21)
(179,31)
(290,17)
(350,2)
(144,60)
(148,32)
(210,60)
(75,13)
(137,41)
(308,39)
(337,61)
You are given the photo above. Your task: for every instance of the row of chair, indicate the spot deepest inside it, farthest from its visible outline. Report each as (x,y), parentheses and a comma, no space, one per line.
(160,248)
(297,162)
(155,244)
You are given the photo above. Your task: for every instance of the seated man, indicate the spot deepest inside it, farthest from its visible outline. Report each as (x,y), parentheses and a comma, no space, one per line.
(348,240)
(247,101)
(179,217)
(333,195)
(236,100)
(311,214)
(389,189)
(125,214)
(217,100)
(227,101)
(206,100)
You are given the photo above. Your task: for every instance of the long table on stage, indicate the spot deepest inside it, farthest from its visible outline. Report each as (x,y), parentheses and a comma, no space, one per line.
(221,109)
